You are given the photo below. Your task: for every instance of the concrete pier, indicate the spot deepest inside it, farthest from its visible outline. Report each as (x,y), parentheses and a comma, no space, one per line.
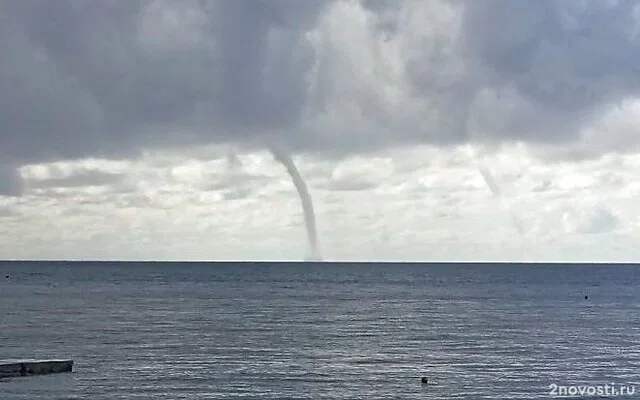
(13,368)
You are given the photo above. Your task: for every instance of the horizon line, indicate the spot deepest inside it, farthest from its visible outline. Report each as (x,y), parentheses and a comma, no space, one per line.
(359,262)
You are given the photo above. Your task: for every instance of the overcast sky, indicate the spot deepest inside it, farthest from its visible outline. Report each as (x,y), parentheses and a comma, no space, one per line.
(426,129)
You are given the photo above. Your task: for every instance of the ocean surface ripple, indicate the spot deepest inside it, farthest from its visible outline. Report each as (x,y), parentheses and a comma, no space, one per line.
(318,331)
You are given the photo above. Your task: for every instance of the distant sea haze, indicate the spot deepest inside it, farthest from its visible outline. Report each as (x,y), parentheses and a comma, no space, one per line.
(320,330)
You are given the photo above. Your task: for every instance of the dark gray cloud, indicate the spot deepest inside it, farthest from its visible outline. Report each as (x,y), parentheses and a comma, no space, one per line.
(81,78)
(564,61)
(109,77)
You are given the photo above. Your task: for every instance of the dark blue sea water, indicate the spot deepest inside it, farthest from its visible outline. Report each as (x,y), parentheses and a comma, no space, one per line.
(319,331)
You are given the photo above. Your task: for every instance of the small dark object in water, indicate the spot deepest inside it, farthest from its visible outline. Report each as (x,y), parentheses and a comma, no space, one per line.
(15,368)
(425,380)
(7,276)
(586,297)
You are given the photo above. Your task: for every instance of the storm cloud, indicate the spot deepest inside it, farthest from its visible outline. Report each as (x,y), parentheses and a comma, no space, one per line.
(108,78)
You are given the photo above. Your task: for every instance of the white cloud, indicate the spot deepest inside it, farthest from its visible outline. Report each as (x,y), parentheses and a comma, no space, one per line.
(592,220)
(413,204)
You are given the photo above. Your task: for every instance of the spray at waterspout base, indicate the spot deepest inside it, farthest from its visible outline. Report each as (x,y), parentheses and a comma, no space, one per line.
(314,257)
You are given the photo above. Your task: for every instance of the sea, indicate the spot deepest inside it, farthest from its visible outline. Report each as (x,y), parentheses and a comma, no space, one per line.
(322,330)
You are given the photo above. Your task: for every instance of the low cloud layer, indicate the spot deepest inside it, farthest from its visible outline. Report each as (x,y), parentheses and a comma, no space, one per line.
(166,206)
(82,79)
